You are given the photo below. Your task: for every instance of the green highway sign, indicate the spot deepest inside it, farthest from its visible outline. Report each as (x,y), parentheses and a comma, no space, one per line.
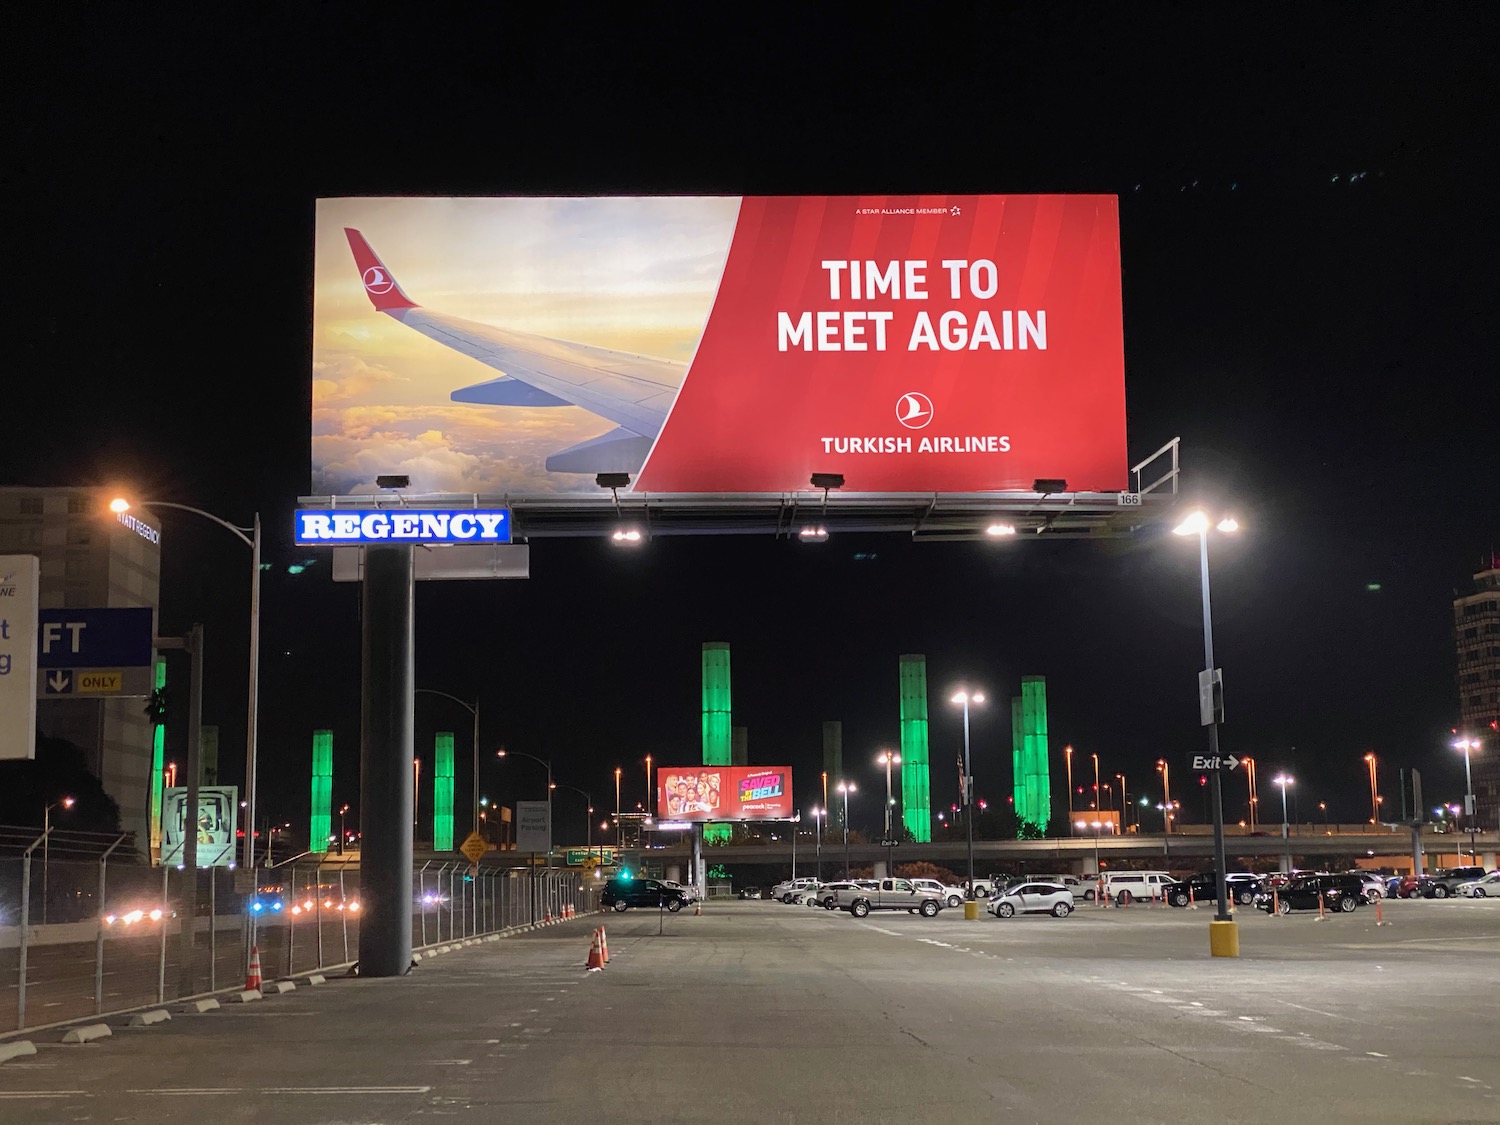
(574,857)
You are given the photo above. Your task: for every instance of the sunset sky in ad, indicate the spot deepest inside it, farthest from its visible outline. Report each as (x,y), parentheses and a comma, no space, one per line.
(636,275)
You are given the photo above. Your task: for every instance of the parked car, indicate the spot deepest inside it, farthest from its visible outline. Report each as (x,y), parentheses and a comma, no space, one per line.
(689,893)
(1127,886)
(1487,887)
(792,889)
(1374,884)
(953,896)
(890,894)
(1342,893)
(1444,883)
(1032,898)
(620,894)
(749,892)
(827,894)
(1241,887)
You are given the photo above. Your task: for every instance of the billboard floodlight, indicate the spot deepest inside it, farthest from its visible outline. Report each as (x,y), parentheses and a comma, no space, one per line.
(392,481)
(1049,485)
(612,480)
(999,530)
(813,534)
(825,481)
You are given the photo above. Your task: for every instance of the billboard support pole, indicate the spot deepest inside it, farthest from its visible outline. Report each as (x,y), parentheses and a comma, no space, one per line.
(188,931)
(386,748)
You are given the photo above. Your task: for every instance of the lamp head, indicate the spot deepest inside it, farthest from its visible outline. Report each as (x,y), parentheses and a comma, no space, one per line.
(119,504)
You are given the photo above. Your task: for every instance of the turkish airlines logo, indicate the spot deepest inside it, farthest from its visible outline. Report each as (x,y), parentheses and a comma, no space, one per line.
(914,410)
(377,281)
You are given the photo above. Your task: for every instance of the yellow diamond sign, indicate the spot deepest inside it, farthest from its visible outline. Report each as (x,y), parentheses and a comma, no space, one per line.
(473,847)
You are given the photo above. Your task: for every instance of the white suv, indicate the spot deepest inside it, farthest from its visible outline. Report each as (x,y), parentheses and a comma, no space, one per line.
(953,896)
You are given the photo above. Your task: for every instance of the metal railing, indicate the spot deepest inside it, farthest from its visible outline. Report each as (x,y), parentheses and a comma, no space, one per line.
(116,937)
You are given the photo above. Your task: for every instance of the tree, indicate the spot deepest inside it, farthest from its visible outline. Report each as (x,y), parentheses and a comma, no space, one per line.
(60,769)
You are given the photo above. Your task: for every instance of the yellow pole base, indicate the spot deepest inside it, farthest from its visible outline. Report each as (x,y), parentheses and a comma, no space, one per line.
(971,911)
(1224,938)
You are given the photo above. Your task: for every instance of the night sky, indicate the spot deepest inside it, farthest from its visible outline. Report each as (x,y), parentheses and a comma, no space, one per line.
(1307,243)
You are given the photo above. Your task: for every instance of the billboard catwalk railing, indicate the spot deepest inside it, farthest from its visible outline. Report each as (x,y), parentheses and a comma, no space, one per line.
(116,937)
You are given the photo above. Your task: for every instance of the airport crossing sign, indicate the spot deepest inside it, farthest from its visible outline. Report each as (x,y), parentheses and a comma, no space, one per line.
(94,652)
(1214,762)
(473,847)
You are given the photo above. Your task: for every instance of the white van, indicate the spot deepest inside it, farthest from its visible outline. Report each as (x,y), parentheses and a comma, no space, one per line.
(1127,886)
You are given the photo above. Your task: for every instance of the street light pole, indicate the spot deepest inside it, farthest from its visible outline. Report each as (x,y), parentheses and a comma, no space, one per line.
(1467,744)
(1374,791)
(1284,780)
(888,758)
(1068,762)
(1198,523)
(619,826)
(817,815)
(342,810)
(965,698)
(845,788)
(66,803)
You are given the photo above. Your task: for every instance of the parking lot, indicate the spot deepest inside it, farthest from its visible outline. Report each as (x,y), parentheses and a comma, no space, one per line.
(764,1012)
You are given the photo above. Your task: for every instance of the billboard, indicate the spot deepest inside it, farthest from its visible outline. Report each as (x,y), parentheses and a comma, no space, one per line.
(20,586)
(218,809)
(710,793)
(718,344)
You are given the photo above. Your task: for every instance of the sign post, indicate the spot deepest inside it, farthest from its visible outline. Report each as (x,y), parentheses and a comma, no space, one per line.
(18,669)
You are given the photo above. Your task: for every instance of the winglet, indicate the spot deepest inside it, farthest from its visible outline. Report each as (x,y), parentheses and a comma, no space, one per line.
(380,286)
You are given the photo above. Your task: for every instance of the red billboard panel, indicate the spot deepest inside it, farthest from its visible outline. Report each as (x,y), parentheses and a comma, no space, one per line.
(945,343)
(724,793)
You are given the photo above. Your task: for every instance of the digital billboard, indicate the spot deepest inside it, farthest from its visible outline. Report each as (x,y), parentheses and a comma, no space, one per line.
(520,346)
(711,793)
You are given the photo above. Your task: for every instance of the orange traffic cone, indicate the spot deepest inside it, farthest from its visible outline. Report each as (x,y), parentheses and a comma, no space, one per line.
(252,974)
(547,919)
(604,944)
(596,955)
(698,908)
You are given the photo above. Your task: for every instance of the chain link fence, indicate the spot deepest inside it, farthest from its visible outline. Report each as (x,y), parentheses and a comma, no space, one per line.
(83,934)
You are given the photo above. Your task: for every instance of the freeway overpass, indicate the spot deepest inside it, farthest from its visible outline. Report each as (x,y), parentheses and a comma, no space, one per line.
(1181,849)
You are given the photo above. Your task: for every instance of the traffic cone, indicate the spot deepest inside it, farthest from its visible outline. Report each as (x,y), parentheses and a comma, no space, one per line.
(1379,917)
(596,955)
(1192,898)
(698,909)
(252,974)
(604,944)
(1320,907)
(547,919)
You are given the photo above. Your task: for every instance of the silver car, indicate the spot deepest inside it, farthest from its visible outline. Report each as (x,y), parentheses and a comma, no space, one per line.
(1032,898)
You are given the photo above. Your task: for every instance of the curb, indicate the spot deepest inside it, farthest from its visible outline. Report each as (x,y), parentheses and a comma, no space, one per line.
(16,1049)
(87,1033)
(278,988)
(146,1019)
(197,1007)
(244,997)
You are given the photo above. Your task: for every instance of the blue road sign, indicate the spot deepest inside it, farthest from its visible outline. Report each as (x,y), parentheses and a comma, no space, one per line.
(94,638)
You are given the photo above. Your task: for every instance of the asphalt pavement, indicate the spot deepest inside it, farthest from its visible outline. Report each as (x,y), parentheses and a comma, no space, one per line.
(760,1012)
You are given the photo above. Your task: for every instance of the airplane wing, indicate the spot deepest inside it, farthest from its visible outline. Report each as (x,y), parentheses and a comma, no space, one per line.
(633,391)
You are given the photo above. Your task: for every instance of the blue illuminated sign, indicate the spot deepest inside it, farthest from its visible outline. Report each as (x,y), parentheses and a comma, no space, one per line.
(333,526)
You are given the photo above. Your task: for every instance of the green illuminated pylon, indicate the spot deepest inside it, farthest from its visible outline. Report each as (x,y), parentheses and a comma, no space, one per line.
(717,739)
(916,788)
(1028,727)
(320,819)
(442,792)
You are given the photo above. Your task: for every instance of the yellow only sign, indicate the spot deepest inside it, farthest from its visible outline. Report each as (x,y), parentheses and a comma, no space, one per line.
(100,682)
(474,847)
